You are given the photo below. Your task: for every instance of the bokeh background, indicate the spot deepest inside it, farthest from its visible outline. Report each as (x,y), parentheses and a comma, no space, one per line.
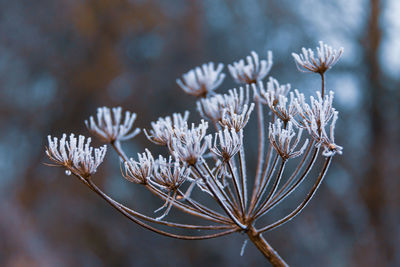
(59,60)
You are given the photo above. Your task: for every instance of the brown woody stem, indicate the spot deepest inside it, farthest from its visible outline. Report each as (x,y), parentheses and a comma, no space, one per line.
(265,248)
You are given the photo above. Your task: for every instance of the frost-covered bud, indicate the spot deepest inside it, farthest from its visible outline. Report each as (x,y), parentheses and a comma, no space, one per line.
(281,137)
(109,126)
(139,171)
(189,147)
(230,142)
(315,119)
(232,120)
(320,111)
(271,93)
(252,72)
(325,59)
(202,81)
(76,154)
(165,128)
(281,106)
(212,108)
(169,175)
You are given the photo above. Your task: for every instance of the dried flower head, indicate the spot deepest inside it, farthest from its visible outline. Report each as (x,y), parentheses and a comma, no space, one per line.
(76,155)
(319,113)
(109,126)
(165,128)
(273,88)
(316,117)
(282,109)
(325,59)
(212,108)
(229,141)
(236,121)
(139,171)
(281,137)
(169,175)
(189,147)
(252,72)
(202,81)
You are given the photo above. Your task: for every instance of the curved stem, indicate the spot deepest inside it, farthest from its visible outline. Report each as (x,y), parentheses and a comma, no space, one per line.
(265,248)
(275,201)
(218,195)
(94,188)
(304,203)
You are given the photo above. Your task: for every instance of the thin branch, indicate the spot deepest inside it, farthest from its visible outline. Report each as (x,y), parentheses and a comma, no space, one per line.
(304,203)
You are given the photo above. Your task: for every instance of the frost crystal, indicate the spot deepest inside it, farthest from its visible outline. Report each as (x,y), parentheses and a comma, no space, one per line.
(201,82)
(252,72)
(109,126)
(76,155)
(325,59)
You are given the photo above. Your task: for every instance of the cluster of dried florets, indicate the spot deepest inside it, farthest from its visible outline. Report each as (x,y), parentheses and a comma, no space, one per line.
(222,173)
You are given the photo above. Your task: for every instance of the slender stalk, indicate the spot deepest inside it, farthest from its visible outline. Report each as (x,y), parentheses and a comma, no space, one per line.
(221,201)
(265,248)
(304,203)
(261,140)
(274,187)
(278,198)
(111,202)
(237,188)
(323,84)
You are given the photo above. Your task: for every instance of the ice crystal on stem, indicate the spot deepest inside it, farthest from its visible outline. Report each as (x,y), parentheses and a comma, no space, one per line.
(252,72)
(326,57)
(76,155)
(109,126)
(202,81)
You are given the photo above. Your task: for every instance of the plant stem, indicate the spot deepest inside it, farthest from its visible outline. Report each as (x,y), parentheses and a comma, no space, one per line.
(265,248)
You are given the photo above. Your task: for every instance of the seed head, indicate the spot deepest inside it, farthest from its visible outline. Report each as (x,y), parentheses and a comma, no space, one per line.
(252,72)
(236,121)
(189,146)
(169,175)
(166,128)
(75,155)
(109,127)
(230,142)
(281,137)
(325,59)
(212,108)
(202,81)
(139,171)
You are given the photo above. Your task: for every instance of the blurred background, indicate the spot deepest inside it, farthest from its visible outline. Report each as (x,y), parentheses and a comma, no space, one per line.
(59,60)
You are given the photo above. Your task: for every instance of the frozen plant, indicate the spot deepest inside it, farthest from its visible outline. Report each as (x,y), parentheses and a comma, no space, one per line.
(215,165)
